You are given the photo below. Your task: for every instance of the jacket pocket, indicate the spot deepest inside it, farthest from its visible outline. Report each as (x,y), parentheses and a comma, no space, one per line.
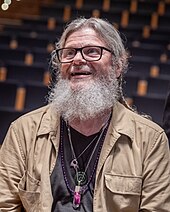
(123,184)
(29,192)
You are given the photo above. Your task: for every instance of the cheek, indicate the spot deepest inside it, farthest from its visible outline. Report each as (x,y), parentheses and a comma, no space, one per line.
(104,68)
(98,69)
(64,70)
(105,65)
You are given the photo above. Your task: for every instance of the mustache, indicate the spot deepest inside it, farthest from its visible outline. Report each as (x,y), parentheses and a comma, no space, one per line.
(82,68)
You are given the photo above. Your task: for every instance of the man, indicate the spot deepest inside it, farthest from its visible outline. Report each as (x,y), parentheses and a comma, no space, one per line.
(87,150)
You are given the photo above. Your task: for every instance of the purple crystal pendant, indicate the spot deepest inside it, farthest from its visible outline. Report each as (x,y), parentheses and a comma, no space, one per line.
(77,197)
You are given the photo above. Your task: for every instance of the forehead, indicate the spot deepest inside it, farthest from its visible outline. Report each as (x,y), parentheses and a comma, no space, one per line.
(83,37)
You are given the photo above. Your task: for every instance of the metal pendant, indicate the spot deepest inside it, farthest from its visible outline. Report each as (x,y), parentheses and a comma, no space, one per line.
(81,178)
(74,164)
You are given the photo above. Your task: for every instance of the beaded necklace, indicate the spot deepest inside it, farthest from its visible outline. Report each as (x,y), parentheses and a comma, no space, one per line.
(81,188)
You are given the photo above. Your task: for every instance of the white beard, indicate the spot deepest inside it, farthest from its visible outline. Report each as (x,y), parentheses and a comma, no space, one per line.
(86,102)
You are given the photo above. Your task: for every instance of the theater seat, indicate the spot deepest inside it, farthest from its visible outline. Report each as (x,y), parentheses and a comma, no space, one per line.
(36,94)
(150,105)
(158,86)
(130,85)
(7,54)
(21,73)
(139,66)
(7,94)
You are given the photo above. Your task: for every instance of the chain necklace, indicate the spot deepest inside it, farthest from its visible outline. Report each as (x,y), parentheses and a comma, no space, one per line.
(74,162)
(81,184)
(81,176)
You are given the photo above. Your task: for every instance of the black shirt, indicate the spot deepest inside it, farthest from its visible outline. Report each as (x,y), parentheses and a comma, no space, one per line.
(63,197)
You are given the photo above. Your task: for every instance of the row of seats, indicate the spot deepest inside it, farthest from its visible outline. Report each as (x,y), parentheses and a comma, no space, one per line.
(18,73)
(145,51)
(17,99)
(125,13)
(29,95)
(36,56)
(152,86)
(145,67)
(23,40)
(46,39)
(25,96)
(21,72)
(149,54)
(162,7)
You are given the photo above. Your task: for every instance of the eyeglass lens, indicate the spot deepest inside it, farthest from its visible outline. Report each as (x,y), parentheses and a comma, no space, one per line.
(89,53)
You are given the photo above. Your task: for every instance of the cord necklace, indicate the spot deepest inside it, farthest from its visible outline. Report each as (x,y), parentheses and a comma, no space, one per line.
(81,181)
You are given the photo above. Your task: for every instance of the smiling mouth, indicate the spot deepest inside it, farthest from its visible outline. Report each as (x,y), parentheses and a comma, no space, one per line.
(80,73)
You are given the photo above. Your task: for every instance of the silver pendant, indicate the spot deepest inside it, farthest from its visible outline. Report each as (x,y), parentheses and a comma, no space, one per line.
(74,164)
(81,178)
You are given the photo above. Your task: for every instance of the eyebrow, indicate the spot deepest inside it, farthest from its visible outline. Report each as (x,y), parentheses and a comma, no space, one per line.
(83,46)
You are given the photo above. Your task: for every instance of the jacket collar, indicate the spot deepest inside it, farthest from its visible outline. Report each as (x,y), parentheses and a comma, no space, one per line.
(121,121)
(50,121)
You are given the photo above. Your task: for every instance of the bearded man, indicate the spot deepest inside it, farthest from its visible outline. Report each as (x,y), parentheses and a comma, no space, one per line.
(87,150)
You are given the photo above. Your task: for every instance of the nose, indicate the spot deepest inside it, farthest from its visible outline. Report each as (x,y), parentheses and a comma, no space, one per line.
(78,58)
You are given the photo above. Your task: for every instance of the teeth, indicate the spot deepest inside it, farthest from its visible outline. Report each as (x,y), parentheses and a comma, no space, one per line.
(80,73)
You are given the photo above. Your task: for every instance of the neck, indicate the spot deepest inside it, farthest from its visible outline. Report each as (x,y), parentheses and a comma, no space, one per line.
(91,126)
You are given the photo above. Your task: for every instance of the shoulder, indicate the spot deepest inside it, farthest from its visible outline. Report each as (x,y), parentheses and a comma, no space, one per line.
(140,129)
(37,122)
(32,117)
(132,120)
(147,133)
(145,122)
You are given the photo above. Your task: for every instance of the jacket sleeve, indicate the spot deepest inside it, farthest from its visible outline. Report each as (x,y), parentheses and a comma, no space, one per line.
(156,176)
(12,166)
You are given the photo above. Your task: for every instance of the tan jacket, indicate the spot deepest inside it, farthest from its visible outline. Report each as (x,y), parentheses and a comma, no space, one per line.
(133,172)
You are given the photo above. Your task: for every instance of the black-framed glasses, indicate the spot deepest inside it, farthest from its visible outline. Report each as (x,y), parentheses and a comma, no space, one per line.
(88,53)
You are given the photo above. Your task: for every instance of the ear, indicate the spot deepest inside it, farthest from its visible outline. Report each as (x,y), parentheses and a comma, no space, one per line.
(119,68)
(118,73)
